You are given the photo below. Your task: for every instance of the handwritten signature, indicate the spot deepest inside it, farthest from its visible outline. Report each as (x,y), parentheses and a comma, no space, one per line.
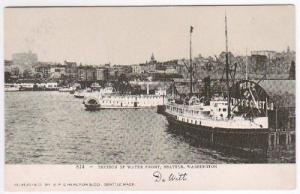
(173,177)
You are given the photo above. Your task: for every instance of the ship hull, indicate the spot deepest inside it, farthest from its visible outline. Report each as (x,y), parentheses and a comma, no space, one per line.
(78,96)
(243,142)
(92,107)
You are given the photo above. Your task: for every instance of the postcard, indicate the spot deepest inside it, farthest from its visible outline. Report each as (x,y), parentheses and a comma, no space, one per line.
(150,97)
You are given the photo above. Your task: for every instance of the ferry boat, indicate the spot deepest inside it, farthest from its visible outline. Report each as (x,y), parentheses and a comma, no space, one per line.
(213,125)
(27,86)
(237,120)
(92,92)
(11,88)
(66,89)
(96,86)
(51,86)
(119,101)
(79,94)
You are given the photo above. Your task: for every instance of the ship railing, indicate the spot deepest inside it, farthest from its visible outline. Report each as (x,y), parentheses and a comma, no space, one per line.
(183,110)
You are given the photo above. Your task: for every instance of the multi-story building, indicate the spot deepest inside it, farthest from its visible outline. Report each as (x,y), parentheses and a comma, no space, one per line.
(101,74)
(42,70)
(171,70)
(148,67)
(71,70)
(81,73)
(90,73)
(267,53)
(122,69)
(180,67)
(136,69)
(86,73)
(57,71)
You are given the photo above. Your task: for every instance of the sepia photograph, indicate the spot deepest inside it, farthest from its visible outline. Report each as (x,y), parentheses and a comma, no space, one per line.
(159,85)
(144,85)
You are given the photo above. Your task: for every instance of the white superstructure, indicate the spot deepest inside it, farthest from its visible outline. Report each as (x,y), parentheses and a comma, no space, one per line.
(114,100)
(11,88)
(214,115)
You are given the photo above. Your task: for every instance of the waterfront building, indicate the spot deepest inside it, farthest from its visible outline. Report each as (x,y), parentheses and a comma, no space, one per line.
(42,70)
(70,70)
(112,73)
(283,116)
(57,71)
(81,73)
(270,54)
(275,65)
(122,69)
(86,73)
(101,74)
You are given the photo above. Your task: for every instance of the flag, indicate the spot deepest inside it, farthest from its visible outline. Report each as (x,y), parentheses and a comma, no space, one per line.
(191,29)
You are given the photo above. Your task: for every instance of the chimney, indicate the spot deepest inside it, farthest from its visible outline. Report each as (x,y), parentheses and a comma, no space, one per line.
(147,88)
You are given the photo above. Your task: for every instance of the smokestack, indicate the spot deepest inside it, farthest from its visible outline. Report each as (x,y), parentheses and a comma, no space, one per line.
(147,88)
(207,91)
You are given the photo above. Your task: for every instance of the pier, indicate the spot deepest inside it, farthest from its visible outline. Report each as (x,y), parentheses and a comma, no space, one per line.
(281,138)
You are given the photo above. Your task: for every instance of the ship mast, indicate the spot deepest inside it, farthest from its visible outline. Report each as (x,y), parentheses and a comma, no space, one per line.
(246,64)
(191,63)
(227,70)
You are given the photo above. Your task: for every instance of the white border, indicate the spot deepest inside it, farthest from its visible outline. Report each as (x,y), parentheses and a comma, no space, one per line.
(6,3)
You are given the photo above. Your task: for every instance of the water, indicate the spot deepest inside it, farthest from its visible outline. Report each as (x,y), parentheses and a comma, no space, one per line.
(54,128)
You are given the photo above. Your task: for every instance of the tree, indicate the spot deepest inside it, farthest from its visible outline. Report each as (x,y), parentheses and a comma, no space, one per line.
(292,75)
(122,84)
(27,73)
(7,77)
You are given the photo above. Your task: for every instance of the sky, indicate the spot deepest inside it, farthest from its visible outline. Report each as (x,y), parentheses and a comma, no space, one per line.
(129,35)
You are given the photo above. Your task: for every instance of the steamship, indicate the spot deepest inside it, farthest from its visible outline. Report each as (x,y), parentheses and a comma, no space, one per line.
(124,101)
(236,120)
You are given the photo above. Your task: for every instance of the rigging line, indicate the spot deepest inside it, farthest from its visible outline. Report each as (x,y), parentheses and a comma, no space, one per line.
(256,104)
